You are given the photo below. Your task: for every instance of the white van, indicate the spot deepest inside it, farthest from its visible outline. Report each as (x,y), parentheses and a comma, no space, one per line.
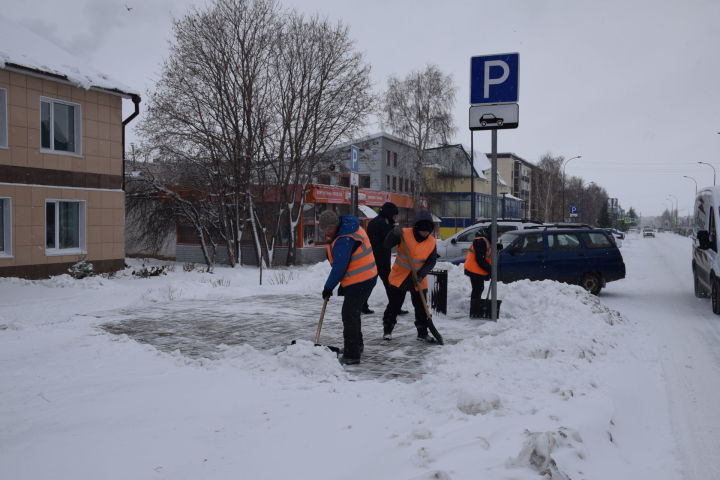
(456,247)
(705,261)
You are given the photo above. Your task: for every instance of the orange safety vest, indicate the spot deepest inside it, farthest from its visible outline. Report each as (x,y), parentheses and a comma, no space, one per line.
(410,254)
(471,264)
(362,261)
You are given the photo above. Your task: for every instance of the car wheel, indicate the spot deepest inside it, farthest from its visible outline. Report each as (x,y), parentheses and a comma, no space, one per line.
(483,123)
(699,292)
(715,296)
(500,122)
(591,283)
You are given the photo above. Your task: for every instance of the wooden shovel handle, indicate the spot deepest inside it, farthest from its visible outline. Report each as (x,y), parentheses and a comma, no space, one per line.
(320,322)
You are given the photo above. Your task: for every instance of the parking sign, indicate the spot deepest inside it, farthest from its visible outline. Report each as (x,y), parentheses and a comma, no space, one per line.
(494,78)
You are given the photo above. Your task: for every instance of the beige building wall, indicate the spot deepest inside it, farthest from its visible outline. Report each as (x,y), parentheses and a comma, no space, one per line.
(29,176)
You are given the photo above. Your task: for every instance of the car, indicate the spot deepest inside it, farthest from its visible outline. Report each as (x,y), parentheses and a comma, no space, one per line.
(455,248)
(705,259)
(490,118)
(582,256)
(648,232)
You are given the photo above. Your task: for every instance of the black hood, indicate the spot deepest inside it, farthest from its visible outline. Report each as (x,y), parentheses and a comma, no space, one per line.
(389,210)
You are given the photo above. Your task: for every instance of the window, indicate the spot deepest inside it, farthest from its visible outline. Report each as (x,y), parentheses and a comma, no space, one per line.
(60,126)
(344,180)
(364,181)
(407,185)
(394,184)
(532,243)
(5,226)
(596,240)
(387,181)
(64,227)
(387,157)
(395,159)
(3,119)
(563,241)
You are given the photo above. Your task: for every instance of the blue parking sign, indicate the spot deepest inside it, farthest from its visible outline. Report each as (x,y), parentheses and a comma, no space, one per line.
(494,78)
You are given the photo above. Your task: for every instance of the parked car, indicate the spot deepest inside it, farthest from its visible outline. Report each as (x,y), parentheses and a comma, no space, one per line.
(648,232)
(705,259)
(454,249)
(582,256)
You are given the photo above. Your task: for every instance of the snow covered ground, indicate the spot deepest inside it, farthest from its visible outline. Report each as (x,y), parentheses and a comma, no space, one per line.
(565,385)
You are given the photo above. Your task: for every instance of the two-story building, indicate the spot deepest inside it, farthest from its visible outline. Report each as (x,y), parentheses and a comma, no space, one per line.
(61,159)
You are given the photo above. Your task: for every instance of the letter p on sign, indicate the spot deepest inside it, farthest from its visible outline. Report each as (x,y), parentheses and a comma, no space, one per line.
(494,78)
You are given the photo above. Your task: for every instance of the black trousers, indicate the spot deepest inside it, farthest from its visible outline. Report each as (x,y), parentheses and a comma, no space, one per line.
(478,285)
(396,297)
(355,297)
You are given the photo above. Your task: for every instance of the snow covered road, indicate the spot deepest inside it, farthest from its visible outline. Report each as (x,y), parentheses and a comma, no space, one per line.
(658,295)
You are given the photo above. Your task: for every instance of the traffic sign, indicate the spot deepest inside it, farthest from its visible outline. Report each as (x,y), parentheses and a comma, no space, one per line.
(573,211)
(489,117)
(355,158)
(494,78)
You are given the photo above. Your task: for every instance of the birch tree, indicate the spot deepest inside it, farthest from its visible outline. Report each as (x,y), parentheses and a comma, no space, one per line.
(418,109)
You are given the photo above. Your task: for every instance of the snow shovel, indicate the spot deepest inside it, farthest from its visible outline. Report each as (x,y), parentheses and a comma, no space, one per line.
(335,350)
(482,307)
(430,324)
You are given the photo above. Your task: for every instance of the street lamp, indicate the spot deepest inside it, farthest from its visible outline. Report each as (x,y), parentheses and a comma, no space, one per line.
(691,178)
(676,209)
(705,163)
(563,184)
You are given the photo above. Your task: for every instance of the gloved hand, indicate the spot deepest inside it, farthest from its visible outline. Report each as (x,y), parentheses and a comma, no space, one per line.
(397,231)
(326,294)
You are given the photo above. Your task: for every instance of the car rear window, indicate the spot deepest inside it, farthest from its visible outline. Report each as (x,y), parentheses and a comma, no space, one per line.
(596,240)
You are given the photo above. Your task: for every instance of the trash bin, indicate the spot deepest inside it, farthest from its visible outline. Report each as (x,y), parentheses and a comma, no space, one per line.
(438,294)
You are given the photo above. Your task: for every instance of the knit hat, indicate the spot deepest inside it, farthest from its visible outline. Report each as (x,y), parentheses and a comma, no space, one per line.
(329,219)
(389,209)
(423,222)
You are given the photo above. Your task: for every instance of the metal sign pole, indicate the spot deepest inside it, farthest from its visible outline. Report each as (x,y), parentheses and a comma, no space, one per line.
(472,178)
(493,234)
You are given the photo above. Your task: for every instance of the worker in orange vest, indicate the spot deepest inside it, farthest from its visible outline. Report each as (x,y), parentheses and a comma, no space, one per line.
(416,250)
(478,263)
(353,267)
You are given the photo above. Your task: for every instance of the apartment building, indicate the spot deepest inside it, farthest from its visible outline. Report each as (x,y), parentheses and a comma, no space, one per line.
(61,159)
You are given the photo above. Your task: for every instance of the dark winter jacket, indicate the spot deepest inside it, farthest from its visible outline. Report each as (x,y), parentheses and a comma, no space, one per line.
(392,240)
(378,228)
(343,249)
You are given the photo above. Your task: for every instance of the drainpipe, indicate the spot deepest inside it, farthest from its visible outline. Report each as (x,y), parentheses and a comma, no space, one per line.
(136,101)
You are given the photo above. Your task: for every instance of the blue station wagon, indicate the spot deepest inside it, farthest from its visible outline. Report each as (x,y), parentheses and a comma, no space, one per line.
(587,257)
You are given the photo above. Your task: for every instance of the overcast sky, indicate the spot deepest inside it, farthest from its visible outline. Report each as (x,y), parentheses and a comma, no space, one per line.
(631,85)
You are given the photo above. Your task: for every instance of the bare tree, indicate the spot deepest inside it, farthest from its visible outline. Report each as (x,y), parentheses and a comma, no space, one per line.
(209,112)
(323,97)
(418,109)
(547,188)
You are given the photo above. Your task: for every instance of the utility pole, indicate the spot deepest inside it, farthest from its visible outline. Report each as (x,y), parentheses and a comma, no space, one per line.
(565,162)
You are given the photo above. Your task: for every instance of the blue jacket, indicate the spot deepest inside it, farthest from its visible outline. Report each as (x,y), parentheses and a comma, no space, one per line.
(342,250)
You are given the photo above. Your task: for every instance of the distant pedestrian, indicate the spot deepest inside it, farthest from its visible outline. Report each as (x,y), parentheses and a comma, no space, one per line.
(417,250)
(378,228)
(478,263)
(353,266)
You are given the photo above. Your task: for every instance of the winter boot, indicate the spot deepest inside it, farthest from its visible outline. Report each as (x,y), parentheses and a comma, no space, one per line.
(348,360)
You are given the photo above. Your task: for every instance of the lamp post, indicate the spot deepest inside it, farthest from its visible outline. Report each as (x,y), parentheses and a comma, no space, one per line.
(565,162)
(691,178)
(705,163)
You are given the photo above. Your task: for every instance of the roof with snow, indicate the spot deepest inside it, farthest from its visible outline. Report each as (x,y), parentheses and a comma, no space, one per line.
(27,52)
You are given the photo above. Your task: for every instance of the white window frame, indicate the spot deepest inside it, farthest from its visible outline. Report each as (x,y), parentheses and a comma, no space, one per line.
(82,234)
(3,118)
(78,127)
(6,227)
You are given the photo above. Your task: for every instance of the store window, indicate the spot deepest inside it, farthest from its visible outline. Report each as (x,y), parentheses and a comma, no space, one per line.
(64,227)
(60,126)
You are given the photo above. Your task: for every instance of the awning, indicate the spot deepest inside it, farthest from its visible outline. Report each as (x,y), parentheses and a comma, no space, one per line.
(367,211)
